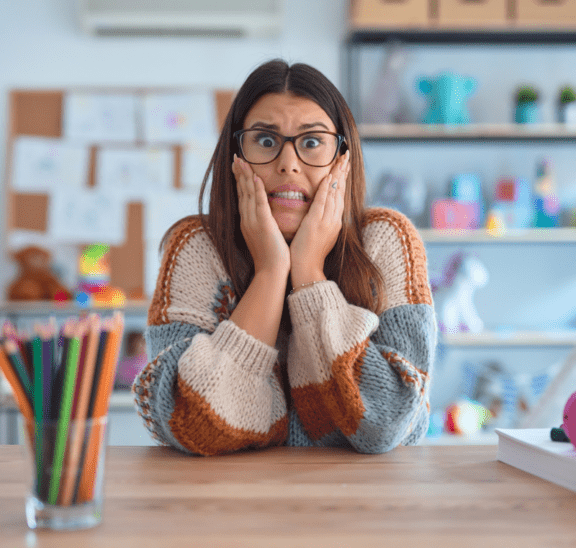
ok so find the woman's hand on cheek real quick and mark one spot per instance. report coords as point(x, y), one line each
point(321, 226)
point(265, 242)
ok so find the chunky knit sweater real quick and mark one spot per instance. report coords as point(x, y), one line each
point(356, 379)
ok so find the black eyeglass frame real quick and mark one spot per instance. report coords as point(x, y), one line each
point(238, 136)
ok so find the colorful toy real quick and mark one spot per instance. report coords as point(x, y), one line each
point(94, 279)
point(447, 94)
point(454, 294)
point(465, 417)
point(466, 188)
point(36, 281)
point(569, 416)
point(404, 193)
point(512, 204)
point(546, 203)
point(448, 213)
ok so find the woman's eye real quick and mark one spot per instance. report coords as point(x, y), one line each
point(311, 142)
point(266, 140)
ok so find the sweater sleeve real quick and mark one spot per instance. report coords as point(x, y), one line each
point(362, 376)
point(210, 387)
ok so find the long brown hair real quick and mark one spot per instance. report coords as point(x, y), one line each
point(347, 264)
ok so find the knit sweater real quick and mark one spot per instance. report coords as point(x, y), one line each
point(356, 379)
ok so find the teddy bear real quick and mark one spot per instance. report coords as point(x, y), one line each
point(36, 281)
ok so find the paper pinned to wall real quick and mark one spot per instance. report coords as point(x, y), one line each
point(43, 165)
point(87, 216)
point(160, 213)
point(180, 117)
point(135, 172)
point(93, 117)
point(195, 159)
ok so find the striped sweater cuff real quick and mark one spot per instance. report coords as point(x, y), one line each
point(253, 355)
point(305, 303)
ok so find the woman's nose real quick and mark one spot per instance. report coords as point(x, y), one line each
point(288, 161)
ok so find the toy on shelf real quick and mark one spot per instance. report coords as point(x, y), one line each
point(36, 280)
point(407, 194)
point(387, 103)
point(454, 294)
point(467, 189)
point(447, 94)
point(569, 417)
point(465, 417)
point(546, 202)
point(512, 207)
point(94, 279)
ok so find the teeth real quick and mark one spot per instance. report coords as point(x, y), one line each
point(290, 195)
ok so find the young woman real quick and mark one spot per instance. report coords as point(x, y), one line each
point(289, 314)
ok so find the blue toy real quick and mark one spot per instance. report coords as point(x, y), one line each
point(447, 95)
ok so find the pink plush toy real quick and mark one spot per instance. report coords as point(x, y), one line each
point(569, 415)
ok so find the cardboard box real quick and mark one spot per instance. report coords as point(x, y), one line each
point(381, 14)
point(472, 13)
point(545, 13)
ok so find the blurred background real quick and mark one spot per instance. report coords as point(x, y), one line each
point(110, 109)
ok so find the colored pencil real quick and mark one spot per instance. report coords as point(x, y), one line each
point(100, 408)
point(14, 357)
point(70, 368)
point(63, 391)
point(85, 384)
point(38, 401)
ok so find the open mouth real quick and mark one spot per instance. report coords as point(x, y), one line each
point(290, 195)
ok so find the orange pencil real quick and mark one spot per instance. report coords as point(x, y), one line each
point(85, 384)
point(103, 392)
point(19, 393)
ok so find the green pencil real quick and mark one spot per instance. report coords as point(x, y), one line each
point(38, 393)
point(71, 368)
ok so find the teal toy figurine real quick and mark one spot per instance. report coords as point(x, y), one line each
point(447, 95)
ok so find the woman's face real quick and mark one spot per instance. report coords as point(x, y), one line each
point(289, 115)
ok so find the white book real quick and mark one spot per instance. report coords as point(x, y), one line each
point(532, 450)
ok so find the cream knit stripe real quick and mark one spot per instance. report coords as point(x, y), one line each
point(232, 371)
point(325, 327)
point(170, 268)
point(388, 248)
point(195, 273)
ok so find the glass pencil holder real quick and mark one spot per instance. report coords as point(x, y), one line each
point(67, 468)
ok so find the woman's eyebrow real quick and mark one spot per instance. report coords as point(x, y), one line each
point(302, 127)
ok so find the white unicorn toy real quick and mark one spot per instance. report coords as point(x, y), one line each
point(454, 294)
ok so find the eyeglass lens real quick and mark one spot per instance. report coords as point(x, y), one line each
point(313, 148)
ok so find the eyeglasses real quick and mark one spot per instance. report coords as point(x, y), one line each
point(314, 148)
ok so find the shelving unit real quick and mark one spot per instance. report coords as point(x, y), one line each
point(462, 135)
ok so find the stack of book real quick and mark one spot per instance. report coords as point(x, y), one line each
point(532, 450)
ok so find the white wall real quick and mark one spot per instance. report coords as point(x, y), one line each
point(41, 46)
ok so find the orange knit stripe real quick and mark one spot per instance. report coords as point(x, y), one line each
point(211, 434)
point(161, 298)
point(393, 358)
point(417, 287)
point(335, 403)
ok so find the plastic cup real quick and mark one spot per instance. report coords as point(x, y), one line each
point(67, 465)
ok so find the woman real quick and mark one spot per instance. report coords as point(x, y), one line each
point(289, 314)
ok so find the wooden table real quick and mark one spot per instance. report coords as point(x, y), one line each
point(425, 497)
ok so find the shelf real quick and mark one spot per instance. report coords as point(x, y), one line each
point(479, 236)
point(480, 36)
point(35, 308)
point(511, 339)
point(467, 132)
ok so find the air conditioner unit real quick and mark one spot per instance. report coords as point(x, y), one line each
point(181, 17)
